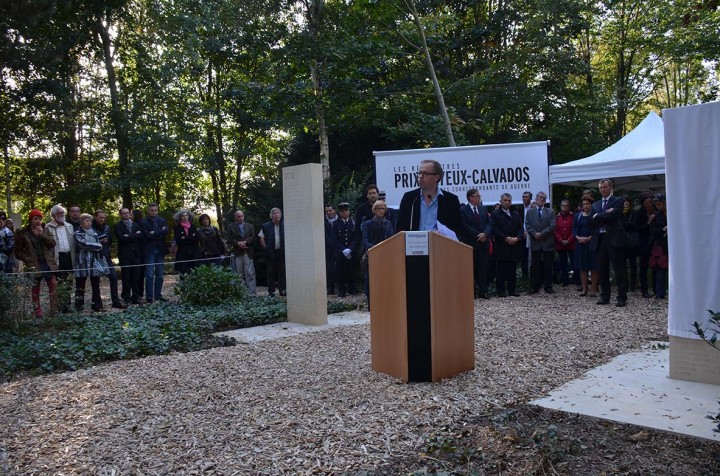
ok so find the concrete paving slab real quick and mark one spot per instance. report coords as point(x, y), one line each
point(635, 388)
point(288, 329)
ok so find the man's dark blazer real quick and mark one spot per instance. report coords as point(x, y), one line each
point(448, 212)
point(612, 221)
point(156, 239)
point(503, 227)
point(472, 227)
point(130, 247)
point(247, 235)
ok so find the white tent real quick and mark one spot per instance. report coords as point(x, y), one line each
point(635, 162)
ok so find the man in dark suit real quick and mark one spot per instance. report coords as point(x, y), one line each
point(344, 234)
point(155, 229)
point(421, 209)
point(477, 227)
point(509, 248)
point(608, 242)
point(241, 237)
point(540, 226)
point(130, 255)
point(330, 247)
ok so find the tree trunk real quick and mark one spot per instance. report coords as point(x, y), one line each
point(8, 193)
point(314, 12)
point(431, 70)
point(117, 115)
point(322, 128)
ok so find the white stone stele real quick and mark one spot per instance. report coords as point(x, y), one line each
point(303, 212)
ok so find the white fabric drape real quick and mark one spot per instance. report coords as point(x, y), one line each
point(692, 160)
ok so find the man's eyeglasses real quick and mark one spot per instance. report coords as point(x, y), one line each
point(425, 174)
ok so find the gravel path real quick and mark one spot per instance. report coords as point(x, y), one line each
point(307, 404)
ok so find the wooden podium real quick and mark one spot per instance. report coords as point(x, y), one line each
point(422, 316)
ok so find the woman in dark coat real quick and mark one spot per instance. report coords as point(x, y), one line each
point(642, 228)
point(187, 243)
point(584, 256)
point(375, 231)
point(632, 251)
point(658, 246)
point(211, 243)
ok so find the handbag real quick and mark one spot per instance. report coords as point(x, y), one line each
point(100, 266)
point(364, 262)
point(658, 258)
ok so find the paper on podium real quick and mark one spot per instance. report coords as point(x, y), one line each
point(443, 230)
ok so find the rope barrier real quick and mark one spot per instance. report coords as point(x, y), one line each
point(24, 273)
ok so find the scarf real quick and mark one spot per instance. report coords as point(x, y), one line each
point(186, 226)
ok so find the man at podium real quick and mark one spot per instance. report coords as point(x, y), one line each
point(423, 208)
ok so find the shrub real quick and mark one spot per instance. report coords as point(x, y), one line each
point(211, 285)
point(15, 303)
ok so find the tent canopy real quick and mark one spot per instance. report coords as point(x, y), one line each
point(635, 162)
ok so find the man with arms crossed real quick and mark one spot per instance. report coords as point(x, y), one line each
point(608, 242)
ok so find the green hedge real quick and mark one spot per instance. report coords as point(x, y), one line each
point(75, 341)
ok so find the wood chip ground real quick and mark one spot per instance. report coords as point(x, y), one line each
point(309, 404)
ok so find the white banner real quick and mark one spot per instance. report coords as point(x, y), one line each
point(492, 169)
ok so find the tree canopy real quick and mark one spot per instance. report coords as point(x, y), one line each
point(187, 103)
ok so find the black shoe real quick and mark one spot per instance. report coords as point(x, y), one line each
point(119, 305)
point(514, 294)
point(98, 309)
point(583, 293)
point(282, 293)
point(483, 296)
point(603, 301)
point(342, 295)
point(550, 291)
point(501, 295)
point(565, 285)
point(646, 295)
point(533, 291)
point(162, 299)
point(149, 301)
point(621, 303)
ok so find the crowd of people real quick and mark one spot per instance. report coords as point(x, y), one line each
point(577, 245)
point(588, 240)
point(72, 246)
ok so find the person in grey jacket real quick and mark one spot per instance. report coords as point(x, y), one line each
point(540, 226)
point(88, 249)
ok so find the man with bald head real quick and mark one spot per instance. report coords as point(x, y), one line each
point(241, 237)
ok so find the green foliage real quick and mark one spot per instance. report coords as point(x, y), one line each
point(710, 333)
point(15, 303)
point(210, 285)
point(75, 341)
point(70, 342)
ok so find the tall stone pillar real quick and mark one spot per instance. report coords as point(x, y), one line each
point(303, 212)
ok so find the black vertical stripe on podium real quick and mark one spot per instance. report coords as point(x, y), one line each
point(417, 281)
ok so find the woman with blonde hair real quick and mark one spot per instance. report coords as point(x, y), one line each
point(374, 231)
point(88, 264)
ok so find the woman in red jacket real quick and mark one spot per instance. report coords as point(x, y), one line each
point(564, 240)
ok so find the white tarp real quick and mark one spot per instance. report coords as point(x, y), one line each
point(635, 162)
point(692, 144)
point(492, 169)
